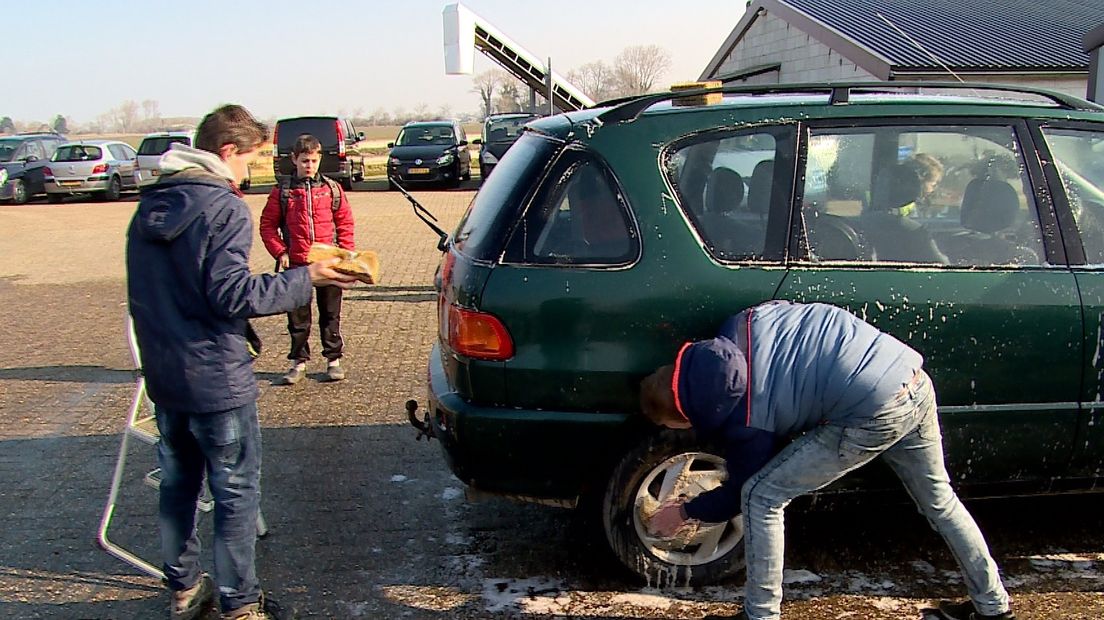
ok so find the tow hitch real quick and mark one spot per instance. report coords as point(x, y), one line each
point(423, 426)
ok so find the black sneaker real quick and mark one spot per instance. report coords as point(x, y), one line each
point(966, 611)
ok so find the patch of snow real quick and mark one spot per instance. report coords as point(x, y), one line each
point(647, 601)
point(451, 493)
point(799, 576)
point(508, 594)
point(398, 478)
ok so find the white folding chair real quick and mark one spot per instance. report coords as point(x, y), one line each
point(142, 425)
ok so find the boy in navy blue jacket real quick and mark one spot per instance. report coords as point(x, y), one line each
point(191, 293)
point(850, 393)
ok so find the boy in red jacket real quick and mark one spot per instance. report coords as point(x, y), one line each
point(301, 210)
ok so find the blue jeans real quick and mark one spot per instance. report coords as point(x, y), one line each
point(905, 432)
point(227, 446)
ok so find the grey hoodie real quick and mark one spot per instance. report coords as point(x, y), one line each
point(190, 289)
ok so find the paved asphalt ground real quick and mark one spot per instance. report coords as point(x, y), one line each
point(366, 522)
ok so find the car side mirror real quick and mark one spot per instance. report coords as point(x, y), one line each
point(462, 143)
point(390, 145)
point(31, 158)
point(360, 136)
point(477, 142)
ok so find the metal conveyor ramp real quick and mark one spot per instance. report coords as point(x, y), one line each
point(466, 32)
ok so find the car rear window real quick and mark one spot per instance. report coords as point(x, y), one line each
point(323, 128)
point(78, 152)
point(159, 145)
point(481, 232)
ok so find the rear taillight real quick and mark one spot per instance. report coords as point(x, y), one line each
point(100, 169)
point(478, 335)
point(46, 171)
point(340, 140)
point(275, 141)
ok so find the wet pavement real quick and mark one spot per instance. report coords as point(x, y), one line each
point(365, 521)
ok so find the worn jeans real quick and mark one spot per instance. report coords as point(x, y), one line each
point(227, 446)
point(328, 299)
point(905, 432)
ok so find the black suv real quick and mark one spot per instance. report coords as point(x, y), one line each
point(430, 151)
point(500, 131)
point(22, 160)
point(341, 160)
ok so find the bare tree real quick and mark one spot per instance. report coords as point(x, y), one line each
point(444, 111)
point(125, 115)
point(509, 97)
point(151, 114)
point(380, 116)
point(638, 67)
point(596, 79)
point(485, 84)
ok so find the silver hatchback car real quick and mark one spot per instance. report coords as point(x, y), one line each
point(101, 167)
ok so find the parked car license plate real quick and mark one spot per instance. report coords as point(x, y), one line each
point(418, 171)
point(68, 183)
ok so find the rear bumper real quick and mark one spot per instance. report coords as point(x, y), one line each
point(77, 186)
point(146, 176)
point(547, 456)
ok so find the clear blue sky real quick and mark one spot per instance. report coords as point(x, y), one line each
point(82, 57)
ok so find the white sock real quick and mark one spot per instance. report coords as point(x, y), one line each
point(334, 363)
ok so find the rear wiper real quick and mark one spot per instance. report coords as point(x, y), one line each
point(424, 215)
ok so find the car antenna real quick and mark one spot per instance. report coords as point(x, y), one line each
point(424, 215)
point(923, 49)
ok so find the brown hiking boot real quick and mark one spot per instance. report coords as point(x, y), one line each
point(966, 611)
point(295, 374)
point(187, 604)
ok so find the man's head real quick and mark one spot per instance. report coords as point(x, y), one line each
point(306, 155)
point(707, 384)
point(657, 399)
point(234, 135)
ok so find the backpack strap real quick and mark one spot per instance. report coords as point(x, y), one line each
point(285, 199)
point(335, 192)
point(335, 199)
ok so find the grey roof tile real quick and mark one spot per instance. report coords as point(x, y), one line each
point(966, 34)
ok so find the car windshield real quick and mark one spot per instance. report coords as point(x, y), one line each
point(322, 128)
point(424, 135)
point(77, 152)
point(8, 149)
point(160, 144)
point(505, 129)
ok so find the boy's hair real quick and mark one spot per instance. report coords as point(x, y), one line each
point(657, 401)
point(230, 124)
point(305, 143)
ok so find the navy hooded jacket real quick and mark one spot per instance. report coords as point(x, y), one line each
point(810, 364)
point(190, 292)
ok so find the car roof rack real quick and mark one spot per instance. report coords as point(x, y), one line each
point(839, 93)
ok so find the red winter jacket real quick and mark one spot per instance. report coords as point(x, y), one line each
point(310, 218)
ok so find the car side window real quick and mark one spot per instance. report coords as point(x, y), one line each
point(578, 217)
point(117, 151)
point(1079, 157)
point(725, 185)
point(50, 146)
point(931, 195)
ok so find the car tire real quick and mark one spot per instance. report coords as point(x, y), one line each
point(663, 563)
point(114, 190)
point(245, 185)
point(19, 192)
point(347, 184)
point(55, 198)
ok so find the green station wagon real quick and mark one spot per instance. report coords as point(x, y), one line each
point(967, 220)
